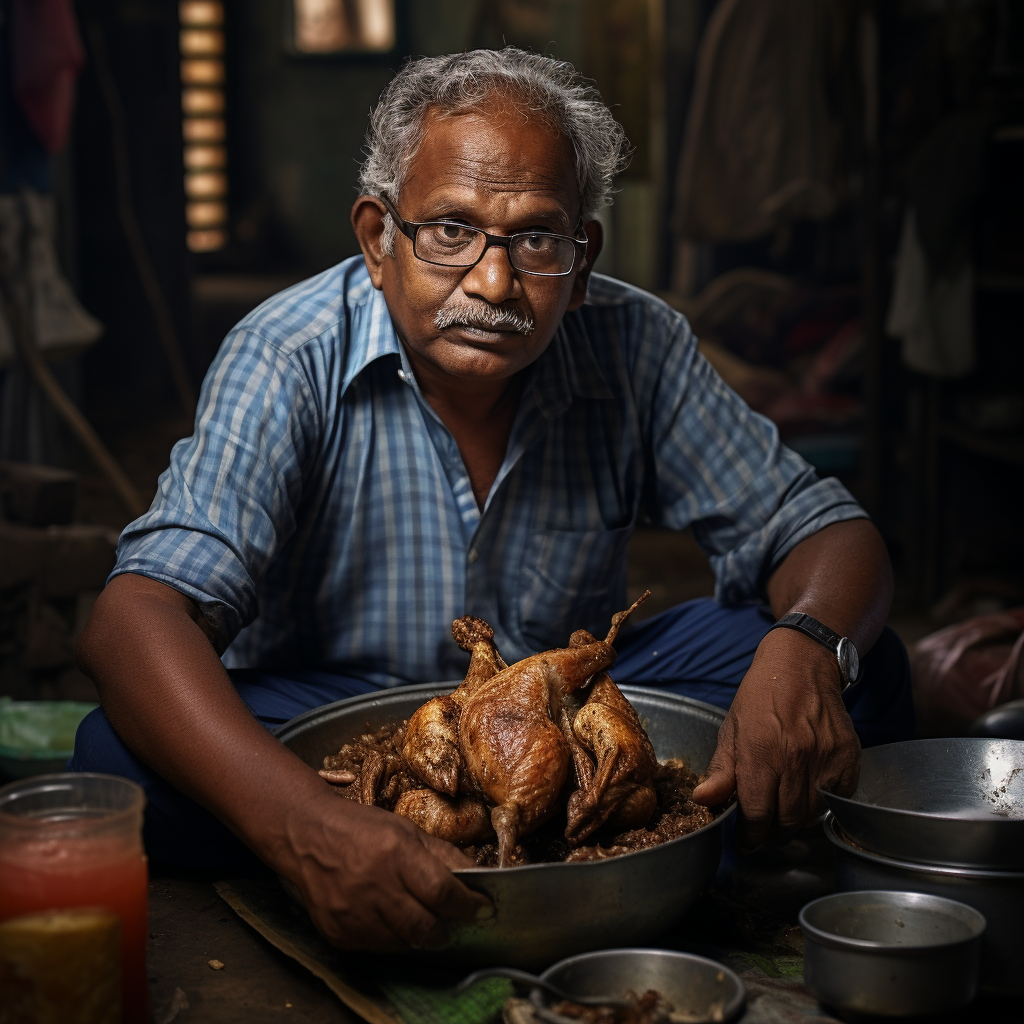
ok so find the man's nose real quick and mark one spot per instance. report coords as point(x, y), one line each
point(493, 278)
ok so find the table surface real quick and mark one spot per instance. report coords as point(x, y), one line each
point(191, 925)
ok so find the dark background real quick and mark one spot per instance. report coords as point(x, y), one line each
point(943, 483)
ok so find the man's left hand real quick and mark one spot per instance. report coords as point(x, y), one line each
point(787, 733)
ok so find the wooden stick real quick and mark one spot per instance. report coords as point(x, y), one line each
point(43, 376)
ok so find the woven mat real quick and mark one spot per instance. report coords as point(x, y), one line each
point(765, 952)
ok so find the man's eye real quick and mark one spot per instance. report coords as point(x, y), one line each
point(537, 243)
point(449, 234)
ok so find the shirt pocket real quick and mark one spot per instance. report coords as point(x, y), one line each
point(571, 579)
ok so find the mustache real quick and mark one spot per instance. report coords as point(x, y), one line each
point(484, 317)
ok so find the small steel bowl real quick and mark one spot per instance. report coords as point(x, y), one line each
point(895, 954)
point(700, 990)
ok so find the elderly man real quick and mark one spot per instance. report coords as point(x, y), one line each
point(465, 420)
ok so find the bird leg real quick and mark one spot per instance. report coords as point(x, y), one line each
point(506, 821)
point(461, 820)
point(477, 637)
point(431, 744)
point(583, 766)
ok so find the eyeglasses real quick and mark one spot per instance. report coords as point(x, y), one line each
point(447, 243)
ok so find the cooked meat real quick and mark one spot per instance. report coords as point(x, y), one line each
point(511, 742)
point(431, 746)
point(619, 793)
point(499, 750)
point(650, 1008)
point(462, 820)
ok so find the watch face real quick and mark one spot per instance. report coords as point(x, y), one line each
point(849, 661)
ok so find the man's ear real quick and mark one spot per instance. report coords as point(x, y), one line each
point(368, 223)
point(595, 241)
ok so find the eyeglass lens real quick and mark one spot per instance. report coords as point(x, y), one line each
point(457, 245)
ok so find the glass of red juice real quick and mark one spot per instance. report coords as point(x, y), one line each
point(74, 840)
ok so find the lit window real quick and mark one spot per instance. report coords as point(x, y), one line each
point(203, 129)
point(335, 26)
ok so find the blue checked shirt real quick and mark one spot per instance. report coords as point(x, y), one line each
point(321, 515)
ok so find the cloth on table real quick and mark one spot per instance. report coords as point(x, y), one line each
point(963, 670)
point(700, 649)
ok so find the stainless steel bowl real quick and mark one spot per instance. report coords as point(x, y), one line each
point(548, 911)
point(892, 953)
point(998, 895)
point(698, 989)
point(957, 802)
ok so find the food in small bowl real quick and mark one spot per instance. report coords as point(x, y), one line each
point(660, 986)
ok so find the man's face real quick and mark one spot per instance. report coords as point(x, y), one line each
point(493, 169)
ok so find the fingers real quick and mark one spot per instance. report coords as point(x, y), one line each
point(757, 793)
point(373, 880)
point(793, 810)
point(432, 883)
point(719, 781)
point(447, 853)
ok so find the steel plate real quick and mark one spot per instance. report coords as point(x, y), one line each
point(955, 802)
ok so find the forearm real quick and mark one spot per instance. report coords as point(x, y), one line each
point(842, 576)
point(170, 699)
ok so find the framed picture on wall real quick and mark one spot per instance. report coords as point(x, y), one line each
point(337, 28)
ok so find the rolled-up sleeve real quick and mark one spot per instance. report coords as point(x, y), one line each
point(226, 504)
point(720, 467)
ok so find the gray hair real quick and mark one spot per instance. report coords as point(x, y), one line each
point(459, 82)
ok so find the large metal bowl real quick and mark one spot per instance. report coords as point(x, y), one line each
point(999, 895)
point(955, 802)
point(548, 911)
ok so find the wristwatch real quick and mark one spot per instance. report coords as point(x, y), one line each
point(842, 646)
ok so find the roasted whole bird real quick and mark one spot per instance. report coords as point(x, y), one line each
point(513, 745)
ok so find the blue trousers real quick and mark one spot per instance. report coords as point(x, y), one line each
point(700, 649)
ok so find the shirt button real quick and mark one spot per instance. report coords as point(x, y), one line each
point(472, 556)
point(402, 376)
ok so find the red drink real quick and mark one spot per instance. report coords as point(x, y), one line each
point(55, 860)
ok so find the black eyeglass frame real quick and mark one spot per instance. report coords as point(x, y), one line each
point(410, 227)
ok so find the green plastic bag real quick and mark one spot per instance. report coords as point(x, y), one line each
point(38, 736)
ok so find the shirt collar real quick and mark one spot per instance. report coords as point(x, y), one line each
point(371, 332)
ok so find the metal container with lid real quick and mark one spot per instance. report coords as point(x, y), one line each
point(998, 895)
point(548, 911)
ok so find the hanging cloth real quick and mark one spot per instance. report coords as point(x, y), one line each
point(47, 55)
point(762, 147)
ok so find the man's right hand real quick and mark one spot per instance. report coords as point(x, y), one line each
point(371, 879)
point(374, 880)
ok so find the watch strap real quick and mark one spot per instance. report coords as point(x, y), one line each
point(812, 627)
point(842, 647)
